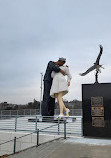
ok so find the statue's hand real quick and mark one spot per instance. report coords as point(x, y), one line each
point(68, 84)
point(62, 72)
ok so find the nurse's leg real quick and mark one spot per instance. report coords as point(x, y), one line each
point(66, 109)
point(60, 101)
point(57, 96)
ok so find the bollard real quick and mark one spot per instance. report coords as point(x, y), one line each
point(14, 145)
point(37, 137)
point(64, 129)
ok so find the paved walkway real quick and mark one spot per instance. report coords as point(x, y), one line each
point(69, 148)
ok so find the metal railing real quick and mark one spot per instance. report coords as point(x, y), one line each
point(31, 123)
point(63, 127)
point(16, 140)
point(73, 112)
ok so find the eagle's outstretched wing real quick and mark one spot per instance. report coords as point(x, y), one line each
point(99, 56)
point(95, 64)
point(89, 70)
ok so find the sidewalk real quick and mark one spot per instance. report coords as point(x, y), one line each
point(69, 148)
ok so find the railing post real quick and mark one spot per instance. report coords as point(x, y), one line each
point(55, 112)
point(14, 150)
point(17, 112)
point(15, 123)
point(30, 111)
point(24, 112)
point(37, 137)
point(1, 114)
point(10, 113)
point(58, 125)
point(64, 129)
point(73, 112)
point(81, 126)
point(36, 124)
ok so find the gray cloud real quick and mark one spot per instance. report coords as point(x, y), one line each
point(34, 32)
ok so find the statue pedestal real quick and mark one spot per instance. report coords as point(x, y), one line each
point(96, 104)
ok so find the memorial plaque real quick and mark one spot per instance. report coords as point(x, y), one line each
point(97, 111)
point(97, 101)
point(98, 121)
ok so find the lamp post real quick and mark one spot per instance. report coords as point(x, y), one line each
point(41, 87)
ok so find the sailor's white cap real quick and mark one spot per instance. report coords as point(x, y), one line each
point(62, 59)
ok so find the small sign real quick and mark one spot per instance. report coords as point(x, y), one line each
point(96, 101)
point(97, 111)
point(98, 121)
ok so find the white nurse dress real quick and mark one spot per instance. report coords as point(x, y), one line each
point(60, 83)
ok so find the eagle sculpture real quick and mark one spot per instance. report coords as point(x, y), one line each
point(96, 65)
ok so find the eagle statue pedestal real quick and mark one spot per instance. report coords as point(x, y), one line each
point(96, 105)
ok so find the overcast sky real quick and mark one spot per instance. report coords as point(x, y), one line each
point(33, 32)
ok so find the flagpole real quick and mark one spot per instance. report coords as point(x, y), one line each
point(41, 87)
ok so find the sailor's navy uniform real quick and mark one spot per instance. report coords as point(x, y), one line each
point(48, 102)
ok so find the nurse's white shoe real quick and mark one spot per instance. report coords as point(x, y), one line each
point(61, 116)
point(67, 112)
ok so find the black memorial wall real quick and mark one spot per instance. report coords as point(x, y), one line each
point(96, 104)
